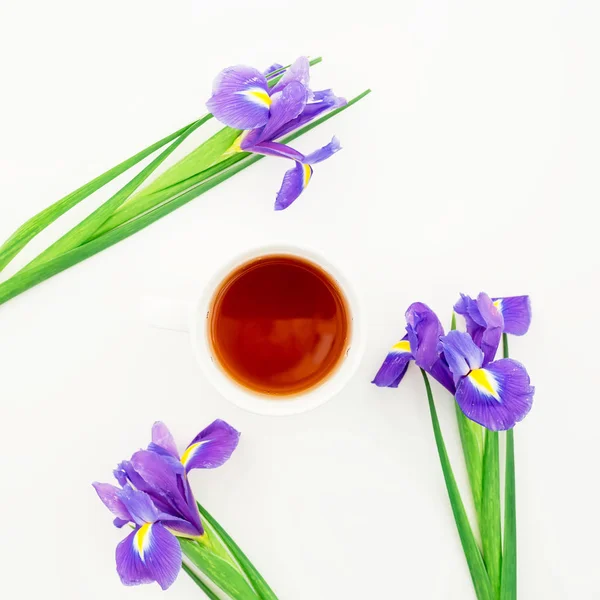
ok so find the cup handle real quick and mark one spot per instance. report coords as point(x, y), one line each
point(166, 313)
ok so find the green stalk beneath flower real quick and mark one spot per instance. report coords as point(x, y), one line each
point(31, 276)
point(472, 441)
point(479, 575)
point(489, 526)
point(508, 590)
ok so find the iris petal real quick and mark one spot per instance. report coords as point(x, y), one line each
point(323, 153)
point(294, 182)
point(271, 149)
point(110, 496)
point(150, 553)
point(461, 353)
point(298, 72)
point(516, 311)
point(139, 505)
point(286, 105)
point(162, 439)
point(240, 98)
point(394, 366)
point(211, 447)
point(424, 330)
point(497, 396)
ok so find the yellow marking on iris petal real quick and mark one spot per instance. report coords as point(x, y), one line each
point(497, 304)
point(484, 381)
point(403, 346)
point(259, 96)
point(237, 145)
point(189, 451)
point(307, 174)
point(141, 538)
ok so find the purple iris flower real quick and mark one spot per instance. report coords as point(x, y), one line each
point(156, 499)
point(495, 394)
point(243, 99)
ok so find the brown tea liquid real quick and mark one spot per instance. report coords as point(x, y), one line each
point(279, 325)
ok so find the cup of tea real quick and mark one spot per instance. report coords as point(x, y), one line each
point(277, 330)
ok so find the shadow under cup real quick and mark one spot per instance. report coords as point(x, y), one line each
point(280, 331)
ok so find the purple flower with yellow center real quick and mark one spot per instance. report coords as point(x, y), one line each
point(243, 99)
point(155, 498)
point(494, 394)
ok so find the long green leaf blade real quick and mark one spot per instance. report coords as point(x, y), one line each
point(22, 236)
point(490, 528)
point(508, 590)
point(194, 577)
point(84, 230)
point(257, 580)
point(481, 580)
point(220, 572)
point(29, 277)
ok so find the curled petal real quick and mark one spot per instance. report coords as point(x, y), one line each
point(298, 72)
point(240, 98)
point(271, 149)
point(497, 396)
point(461, 353)
point(285, 106)
point(211, 447)
point(323, 153)
point(162, 440)
point(294, 182)
point(424, 330)
point(516, 311)
point(150, 553)
point(110, 495)
point(394, 366)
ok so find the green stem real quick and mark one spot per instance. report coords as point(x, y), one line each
point(508, 590)
point(479, 575)
point(472, 441)
point(194, 577)
point(29, 277)
point(490, 528)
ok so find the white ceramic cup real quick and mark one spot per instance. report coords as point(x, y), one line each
point(192, 316)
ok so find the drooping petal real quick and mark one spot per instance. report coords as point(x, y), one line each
point(294, 182)
point(298, 72)
point(139, 505)
point(461, 353)
point(150, 553)
point(394, 366)
point(211, 447)
point(240, 98)
point(516, 311)
point(497, 396)
point(162, 440)
point(110, 496)
point(424, 330)
point(323, 153)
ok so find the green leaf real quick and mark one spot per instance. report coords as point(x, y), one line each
point(508, 590)
point(194, 577)
point(489, 526)
point(31, 276)
point(39, 222)
point(257, 580)
point(84, 230)
point(220, 572)
point(481, 580)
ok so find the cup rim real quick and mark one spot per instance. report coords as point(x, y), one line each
point(262, 403)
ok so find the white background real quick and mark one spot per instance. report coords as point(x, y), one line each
point(473, 166)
